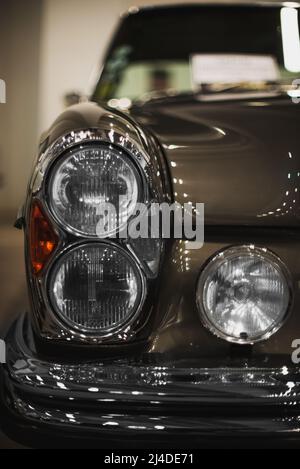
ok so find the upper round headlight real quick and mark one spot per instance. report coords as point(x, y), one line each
point(96, 288)
point(86, 179)
point(243, 294)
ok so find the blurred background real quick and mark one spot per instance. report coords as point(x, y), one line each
point(48, 49)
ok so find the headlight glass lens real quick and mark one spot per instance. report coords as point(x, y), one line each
point(244, 295)
point(96, 288)
point(86, 179)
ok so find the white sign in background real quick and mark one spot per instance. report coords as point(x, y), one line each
point(233, 68)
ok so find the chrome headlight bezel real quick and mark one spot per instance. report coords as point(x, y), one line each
point(120, 132)
point(141, 182)
point(212, 265)
point(148, 167)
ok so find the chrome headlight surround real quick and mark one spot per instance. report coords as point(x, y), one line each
point(213, 265)
point(121, 133)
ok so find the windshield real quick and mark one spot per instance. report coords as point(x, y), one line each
point(200, 49)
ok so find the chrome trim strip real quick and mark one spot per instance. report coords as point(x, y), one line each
point(140, 397)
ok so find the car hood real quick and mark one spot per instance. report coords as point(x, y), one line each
point(239, 157)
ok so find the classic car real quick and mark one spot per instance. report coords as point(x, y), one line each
point(150, 341)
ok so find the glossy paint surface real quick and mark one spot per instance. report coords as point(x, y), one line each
point(239, 156)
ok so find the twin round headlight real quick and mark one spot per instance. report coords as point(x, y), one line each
point(244, 294)
point(95, 288)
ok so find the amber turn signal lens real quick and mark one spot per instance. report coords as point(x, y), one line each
point(43, 239)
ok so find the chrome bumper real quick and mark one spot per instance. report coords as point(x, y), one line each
point(134, 402)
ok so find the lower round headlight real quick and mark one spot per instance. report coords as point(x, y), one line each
point(243, 294)
point(96, 288)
